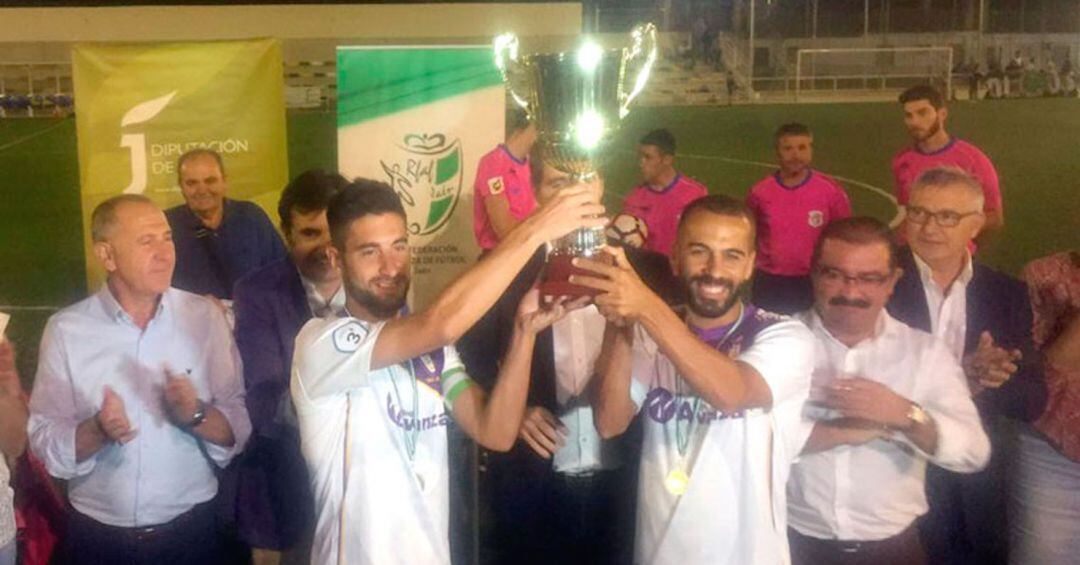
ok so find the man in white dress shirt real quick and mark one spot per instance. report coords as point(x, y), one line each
point(886, 399)
point(137, 402)
point(721, 387)
point(374, 391)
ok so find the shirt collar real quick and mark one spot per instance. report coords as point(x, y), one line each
point(511, 155)
point(314, 298)
point(817, 326)
point(670, 185)
point(926, 274)
point(116, 312)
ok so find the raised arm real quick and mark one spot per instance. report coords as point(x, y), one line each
point(493, 420)
point(613, 407)
point(462, 303)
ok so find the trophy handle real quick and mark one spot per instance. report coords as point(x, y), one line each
point(638, 61)
point(512, 69)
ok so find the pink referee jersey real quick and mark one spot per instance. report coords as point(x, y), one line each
point(499, 172)
point(661, 209)
point(790, 219)
point(907, 165)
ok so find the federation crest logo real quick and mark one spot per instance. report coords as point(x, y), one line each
point(426, 173)
point(816, 218)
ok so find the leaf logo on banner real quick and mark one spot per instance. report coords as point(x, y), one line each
point(136, 143)
point(426, 173)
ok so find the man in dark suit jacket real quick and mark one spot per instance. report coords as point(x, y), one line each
point(985, 317)
point(560, 495)
point(272, 303)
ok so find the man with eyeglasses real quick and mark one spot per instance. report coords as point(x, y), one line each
point(885, 399)
point(985, 320)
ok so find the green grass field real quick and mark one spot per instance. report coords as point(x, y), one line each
point(1033, 144)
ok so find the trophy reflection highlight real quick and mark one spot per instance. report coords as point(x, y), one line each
point(577, 100)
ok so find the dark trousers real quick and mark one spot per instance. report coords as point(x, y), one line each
point(191, 538)
point(902, 549)
point(560, 519)
point(966, 522)
point(781, 294)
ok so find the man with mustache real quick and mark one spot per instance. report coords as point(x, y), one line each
point(374, 390)
point(886, 399)
point(984, 318)
point(721, 386)
point(924, 116)
point(218, 240)
point(791, 207)
point(272, 304)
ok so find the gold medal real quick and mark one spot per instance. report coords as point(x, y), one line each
point(677, 481)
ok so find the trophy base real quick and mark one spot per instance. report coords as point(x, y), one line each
point(556, 279)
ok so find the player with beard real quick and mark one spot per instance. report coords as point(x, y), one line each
point(722, 386)
point(374, 390)
point(924, 115)
point(791, 206)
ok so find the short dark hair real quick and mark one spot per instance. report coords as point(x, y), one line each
point(310, 191)
point(792, 128)
point(721, 205)
point(857, 230)
point(516, 119)
point(923, 92)
point(362, 197)
point(103, 218)
point(662, 139)
point(196, 153)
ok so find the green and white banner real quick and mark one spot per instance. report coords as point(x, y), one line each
point(420, 119)
point(142, 105)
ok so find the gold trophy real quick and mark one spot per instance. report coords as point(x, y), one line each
point(577, 100)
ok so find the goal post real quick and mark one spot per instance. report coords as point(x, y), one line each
point(871, 69)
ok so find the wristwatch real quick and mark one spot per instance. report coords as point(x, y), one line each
point(916, 415)
point(198, 417)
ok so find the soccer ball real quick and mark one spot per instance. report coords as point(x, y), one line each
point(627, 230)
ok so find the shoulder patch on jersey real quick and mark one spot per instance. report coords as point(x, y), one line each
point(347, 338)
point(496, 185)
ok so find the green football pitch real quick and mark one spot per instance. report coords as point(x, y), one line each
point(1033, 144)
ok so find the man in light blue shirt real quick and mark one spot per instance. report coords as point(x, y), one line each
point(138, 400)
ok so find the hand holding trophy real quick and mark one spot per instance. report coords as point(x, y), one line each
point(577, 100)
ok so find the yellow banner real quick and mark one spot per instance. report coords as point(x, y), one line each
point(142, 105)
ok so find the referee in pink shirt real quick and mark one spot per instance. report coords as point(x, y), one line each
point(924, 115)
point(791, 206)
point(663, 193)
point(502, 192)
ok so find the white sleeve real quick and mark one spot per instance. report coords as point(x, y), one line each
point(783, 354)
point(644, 358)
point(454, 379)
point(962, 444)
point(333, 355)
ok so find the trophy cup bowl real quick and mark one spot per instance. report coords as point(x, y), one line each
point(577, 100)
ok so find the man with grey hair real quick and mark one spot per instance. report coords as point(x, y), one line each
point(137, 402)
point(218, 240)
point(984, 317)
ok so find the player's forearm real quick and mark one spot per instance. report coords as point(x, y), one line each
point(467, 298)
point(505, 407)
point(714, 376)
point(89, 439)
point(613, 409)
point(503, 222)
